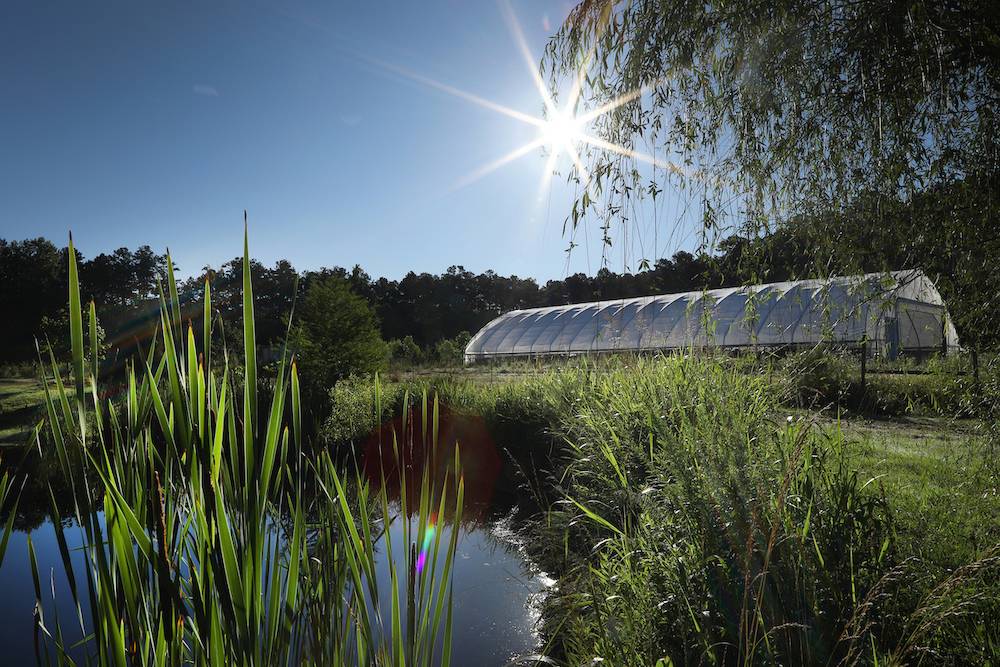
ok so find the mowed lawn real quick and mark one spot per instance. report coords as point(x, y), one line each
point(21, 407)
point(935, 474)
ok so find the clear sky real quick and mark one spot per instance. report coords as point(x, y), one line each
point(159, 123)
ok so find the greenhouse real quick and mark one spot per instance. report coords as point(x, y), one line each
point(894, 313)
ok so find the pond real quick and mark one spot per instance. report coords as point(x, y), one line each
point(497, 591)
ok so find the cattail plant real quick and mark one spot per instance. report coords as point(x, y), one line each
point(210, 536)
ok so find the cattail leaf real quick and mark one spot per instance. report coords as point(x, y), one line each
point(76, 336)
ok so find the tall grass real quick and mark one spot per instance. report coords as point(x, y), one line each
point(690, 522)
point(711, 531)
point(210, 538)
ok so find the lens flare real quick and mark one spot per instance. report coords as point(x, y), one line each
point(562, 131)
point(425, 548)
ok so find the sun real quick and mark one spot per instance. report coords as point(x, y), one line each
point(562, 132)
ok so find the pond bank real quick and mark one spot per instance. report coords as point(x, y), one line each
point(685, 517)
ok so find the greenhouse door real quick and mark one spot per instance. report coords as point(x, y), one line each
point(891, 338)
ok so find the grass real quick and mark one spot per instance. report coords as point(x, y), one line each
point(688, 520)
point(946, 501)
point(22, 405)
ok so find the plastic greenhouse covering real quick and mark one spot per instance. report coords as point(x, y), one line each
point(891, 313)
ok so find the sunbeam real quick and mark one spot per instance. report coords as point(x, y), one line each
point(499, 162)
point(458, 92)
point(562, 130)
point(628, 152)
point(529, 59)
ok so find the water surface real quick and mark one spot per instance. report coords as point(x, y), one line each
point(496, 590)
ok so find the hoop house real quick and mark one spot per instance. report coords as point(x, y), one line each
point(892, 313)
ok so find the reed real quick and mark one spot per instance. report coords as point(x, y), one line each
point(210, 536)
point(6, 484)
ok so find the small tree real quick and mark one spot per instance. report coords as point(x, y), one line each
point(336, 334)
point(404, 352)
point(451, 351)
point(52, 335)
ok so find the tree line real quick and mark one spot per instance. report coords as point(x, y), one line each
point(422, 312)
point(423, 307)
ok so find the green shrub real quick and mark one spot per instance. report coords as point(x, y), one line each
point(451, 351)
point(930, 394)
point(336, 335)
point(821, 378)
point(818, 377)
point(983, 402)
point(352, 409)
point(404, 353)
point(19, 369)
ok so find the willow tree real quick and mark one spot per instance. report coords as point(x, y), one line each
point(799, 112)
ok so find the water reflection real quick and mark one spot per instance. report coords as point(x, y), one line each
point(496, 590)
point(18, 634)
point(401, 451)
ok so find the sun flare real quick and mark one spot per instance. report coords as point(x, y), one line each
point(562, 132)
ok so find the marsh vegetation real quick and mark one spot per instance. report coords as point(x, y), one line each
point(709, 511)
point(685, 509)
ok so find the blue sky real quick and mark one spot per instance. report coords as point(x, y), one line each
point(159, 123)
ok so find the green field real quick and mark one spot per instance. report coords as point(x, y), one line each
point(945, 499)
point(21, 408)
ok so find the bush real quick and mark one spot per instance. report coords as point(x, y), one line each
point(822, 378)
point(352, 414)
point(983, 402)
point(451, 351)
point(404, 353)
point(817, 377)
point(336, 335)
point(19, 369)
point(53, 328)
point(931, 394)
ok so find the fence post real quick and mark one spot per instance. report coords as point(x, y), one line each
point(864, 361)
